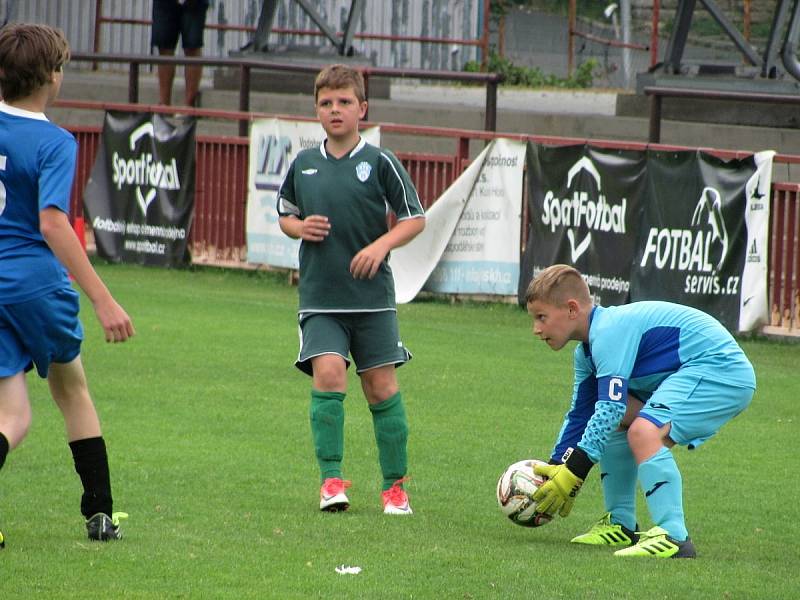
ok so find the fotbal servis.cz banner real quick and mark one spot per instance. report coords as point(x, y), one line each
point(274, 143)
point(685, 227)
point(703, 235)
point(471, 240)
point(140, 196)
point(584, 205)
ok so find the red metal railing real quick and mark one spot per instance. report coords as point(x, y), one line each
point(218, 231)
point(572, 33)
point(481, 42)
point(784, 274)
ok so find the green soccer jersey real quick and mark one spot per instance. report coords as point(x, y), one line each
point(356, 193)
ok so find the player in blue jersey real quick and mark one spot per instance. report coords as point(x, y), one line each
point(336, 199)
point(39, 323)
point(648, 375)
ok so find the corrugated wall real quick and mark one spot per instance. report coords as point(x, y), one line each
point(455, 19)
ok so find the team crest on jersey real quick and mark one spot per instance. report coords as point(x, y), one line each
point(363, 169)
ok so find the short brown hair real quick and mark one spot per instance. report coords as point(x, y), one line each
point(337, 77)
point(557, 284)
point(29, 55)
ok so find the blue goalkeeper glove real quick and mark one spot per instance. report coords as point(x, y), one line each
point(563, 483)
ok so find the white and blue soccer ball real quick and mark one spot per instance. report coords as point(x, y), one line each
point(515, 490)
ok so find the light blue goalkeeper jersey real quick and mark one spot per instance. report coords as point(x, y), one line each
point(634, 348)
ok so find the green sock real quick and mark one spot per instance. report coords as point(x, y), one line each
point(391, 434)
point(327, 429)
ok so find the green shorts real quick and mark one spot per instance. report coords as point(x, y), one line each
point(372, 338)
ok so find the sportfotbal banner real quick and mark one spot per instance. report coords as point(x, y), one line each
point(584, 204)
point(703, 235)
point(140, 196)
point(471, 240)
point(274, 143)
point(684, 226)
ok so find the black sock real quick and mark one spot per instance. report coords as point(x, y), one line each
point(91, 464)
point(4, 448)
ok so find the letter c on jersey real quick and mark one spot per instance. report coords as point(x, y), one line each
point(615, 388)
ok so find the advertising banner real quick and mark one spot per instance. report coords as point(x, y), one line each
point(274, 143)
point(585, 205)
point(413, 263)
point(140, 196)
point(703, 235)
point(471, 240)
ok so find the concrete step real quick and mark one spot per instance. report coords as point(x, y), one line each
point(578, 114)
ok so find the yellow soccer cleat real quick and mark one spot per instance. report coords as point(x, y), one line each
point(656, 543)
point(606, 533)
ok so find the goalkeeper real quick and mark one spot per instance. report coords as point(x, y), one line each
point(648, 375)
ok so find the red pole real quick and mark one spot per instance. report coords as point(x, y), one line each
point(98, 17)
point(571, 39)
point(746, 19)
point(654, 33)
point(79, 225)
point(485, 36)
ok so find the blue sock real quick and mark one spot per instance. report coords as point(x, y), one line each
point(663, 491)
point(618, 477)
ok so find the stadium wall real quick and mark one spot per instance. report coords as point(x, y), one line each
point(454, 19)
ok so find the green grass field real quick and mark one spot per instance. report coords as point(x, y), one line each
point(206, 421)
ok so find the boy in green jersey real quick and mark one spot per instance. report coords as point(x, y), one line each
point(335, 199)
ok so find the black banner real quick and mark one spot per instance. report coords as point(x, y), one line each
point(140, 197)
point(584, 205)
point(681, 226)
point(693, 236)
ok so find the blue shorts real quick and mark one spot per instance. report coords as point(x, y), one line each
point(40, 331)
point(172, 20)
point(696, 406)
point(372, 338)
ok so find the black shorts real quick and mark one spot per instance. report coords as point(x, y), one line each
point(172, 19)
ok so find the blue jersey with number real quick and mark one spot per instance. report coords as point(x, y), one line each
point(633, 348)
point(37, 165)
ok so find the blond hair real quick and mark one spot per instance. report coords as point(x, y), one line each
point(557, 284)
point(337, 77)
point(29, 55)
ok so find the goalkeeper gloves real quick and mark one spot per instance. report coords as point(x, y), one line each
point(563, 483)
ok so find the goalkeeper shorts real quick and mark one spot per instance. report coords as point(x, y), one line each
point(696, 406)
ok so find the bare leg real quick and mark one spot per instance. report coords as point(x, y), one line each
point(646, 439)
point(330, 373)
point(71, 394)
point(166, 75)
point(379, 383)
point(15, 409)
point(192, 73)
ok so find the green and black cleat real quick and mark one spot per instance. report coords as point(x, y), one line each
point(101, 527)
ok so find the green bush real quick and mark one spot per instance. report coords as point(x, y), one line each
point(534, 77)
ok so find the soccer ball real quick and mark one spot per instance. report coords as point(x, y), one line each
point(515, 489)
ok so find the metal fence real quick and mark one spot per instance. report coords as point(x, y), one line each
point(123, 27)
point(218, 231)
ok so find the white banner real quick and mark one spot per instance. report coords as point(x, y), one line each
point(274, 143)
point(471, 240)
point(753, 307)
